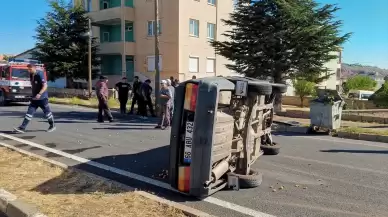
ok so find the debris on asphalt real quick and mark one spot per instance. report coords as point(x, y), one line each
point(273, 190)
point(297, 186)
point(281, 187)
point(271, 186)
point(304, 187)
point(162, 175)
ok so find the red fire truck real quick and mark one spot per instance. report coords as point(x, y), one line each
point(15, 83)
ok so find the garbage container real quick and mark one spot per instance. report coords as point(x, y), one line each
point(219, 129)
point(326, 111)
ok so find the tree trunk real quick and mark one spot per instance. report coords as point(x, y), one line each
point(301, 101)
point(278, 97)
point(69, 83)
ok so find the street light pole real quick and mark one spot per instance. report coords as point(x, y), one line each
point(90, 58)
point(157, 69)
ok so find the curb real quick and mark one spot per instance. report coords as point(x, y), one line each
point(11, 206)
point(191, 212)
point(363, 136)
point(339, 134)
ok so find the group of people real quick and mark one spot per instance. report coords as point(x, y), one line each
point(141, 96)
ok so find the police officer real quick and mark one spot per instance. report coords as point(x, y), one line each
point(123, 88)
point(39, 100)
point(102, 93)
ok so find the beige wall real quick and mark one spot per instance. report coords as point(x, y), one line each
point(168, 41)
point(175, 43)
point(199, 46)
point(331, 83)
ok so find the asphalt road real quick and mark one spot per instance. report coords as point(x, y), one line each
point(322, 176)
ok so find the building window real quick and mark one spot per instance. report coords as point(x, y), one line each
point(210, 65)
point(105, 37)
point(194, 28)
point(151, 63)
point(211, 2)
point(211, 30)
point(151, 26)
point(193, 64)
point(105, 4)
point(128, 28)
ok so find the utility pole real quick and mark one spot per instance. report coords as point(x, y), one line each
point(157, 69)
point(90, 58)
point(124, 54)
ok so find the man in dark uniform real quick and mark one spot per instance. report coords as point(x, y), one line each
point(39, 100)
point(135, 94)
point(123, 88)
point(102, 93)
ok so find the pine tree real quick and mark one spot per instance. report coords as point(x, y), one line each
point(281, 39)
point(62, 42)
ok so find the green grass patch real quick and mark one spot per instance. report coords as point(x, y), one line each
point(359, 130)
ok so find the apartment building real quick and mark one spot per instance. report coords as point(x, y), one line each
point(334, 82)
point(125, 30)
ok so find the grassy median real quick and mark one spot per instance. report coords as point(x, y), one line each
point(92, 103)
point(61, 193)
point(360, 130)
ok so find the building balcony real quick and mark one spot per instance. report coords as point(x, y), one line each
point(115, 48)
point(111, 16)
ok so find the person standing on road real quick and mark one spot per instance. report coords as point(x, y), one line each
point(172, 81)
point(102, 93)
point(146, 99)
point(123, 89)
point(135, 94)
point(39, 100)
point(166, 100)
point(149, 98)
point(172, 90)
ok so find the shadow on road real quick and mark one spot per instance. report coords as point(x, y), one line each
point(356, 151)
point(150, 164)
point(71, 116)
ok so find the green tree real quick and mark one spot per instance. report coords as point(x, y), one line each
point(303, 88)
point(360, 82)
point(62, 42)
point(278, 39)
point(380, 97)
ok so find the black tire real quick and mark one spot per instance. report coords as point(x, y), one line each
point(270, 149)
point(253, 180)
point(262, 88)
point(254, 85)
point(279, 88)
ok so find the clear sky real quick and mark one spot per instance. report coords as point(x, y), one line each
point(368, 20)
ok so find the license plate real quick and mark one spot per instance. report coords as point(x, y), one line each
point(188, 142)
point(18, 97)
